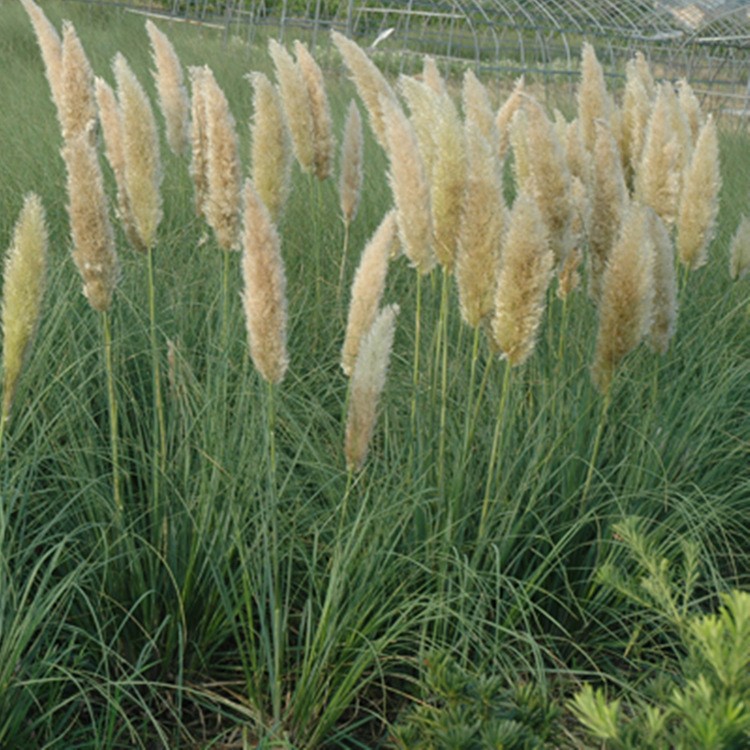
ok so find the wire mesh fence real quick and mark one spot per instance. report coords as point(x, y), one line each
point(705, 41)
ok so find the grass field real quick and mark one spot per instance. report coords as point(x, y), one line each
point(253, 593)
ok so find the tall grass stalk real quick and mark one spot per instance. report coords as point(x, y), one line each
point(113, 425)
point(600, 427)
point(442, 352)
point(159, 431)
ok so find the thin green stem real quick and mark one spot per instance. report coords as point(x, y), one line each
point(595, 450)
point(159, 428)
point(499, 425)
point(225, 300)
point(415, 372)
point(342, 268)
point(443, 382)
point(112, 403)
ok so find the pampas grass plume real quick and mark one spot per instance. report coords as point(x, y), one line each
point(140, 142)
point(505, 116)
point(699, 204)
point(93, 239)
point(477, 107)
point(525, 273)
point(50, 46)
point(431, 76)
point(483, 219)
point(367, 383)
point(367, 289)
point(352, 161)
point(636, 109)
point(224, 172)
point(593, 100)
point(372, 87)
point(23, 287)
point(410, 188)
point(170, 86)
point(296, 101)
point(739, 251)
point(264, 295)
point(424, 108)
point(78, 106)
point(324, 143)
point(271, 147)
point(664, 316)
point(198, 138)
point(627, 296)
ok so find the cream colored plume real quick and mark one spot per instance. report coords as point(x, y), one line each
point(627, 298)
point(296, 101)
point(699, 203)
point(170, 86)
point(324, 143)
point(447, 182)
point(658, 178)
point(680, 128)
point(568, 276)
point(50, 46)
point(608, 202)
point(23, 288)
point(644, 72)
point(110, 118)
point(580, 161)
point(519, 143)
point(525, 273)
point(483, 220)
point(271, 147)
point(424, 107)
point(664, 317)
point(367, 383)
point(372, 87)
point(594, 102)
point(77, 100)
point(224, 171)
point(264, 295)
point(198, 138)
point(352, 161)
point(691, 108)
point(367, 289)
point(410, 188)
point(477, 107)
point(93, 240)
point(143, 174)
point(505, 116)
point(431, 76)
point(636, 110)
point(739, 251)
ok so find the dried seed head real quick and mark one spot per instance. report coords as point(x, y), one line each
point(505, 116)
point(271, 149)
point(352, 160)
point(199, 138)
point(51, 48)
point(664, 317)
point(367, 383)
point(78, 106)
point(424, 106)
point(739, 251)
point(431, 76)
point(170, 85)
point(367, 289)
point(264, 295)
point(23, 288)
point(636, 109)
point(477, 107)
point(593, 100)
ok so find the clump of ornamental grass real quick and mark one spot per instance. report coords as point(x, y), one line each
point(483, 219)
point(93, 239)
point(367, 289)
point(447, 182)
point(626, 306)
point(608, 202)
point(140, 147)
point(324, 143)
point(739, 251)
point(78, 105)
point(23, 288)
point(699, 202)
point(110, 118)
point(371, 85)
point(658, 179)
point(410, 188)
point(264, 294)
point(478, 108)
point(367, 383)
point(594, 102)
point(505, 115)
point(296, 101)
point(526, 268)
point(271, 153)
point(664, 314)
point(50, 46)
point(352, 162)
point(170, 86)
point(198, 138)
point(223, 168)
